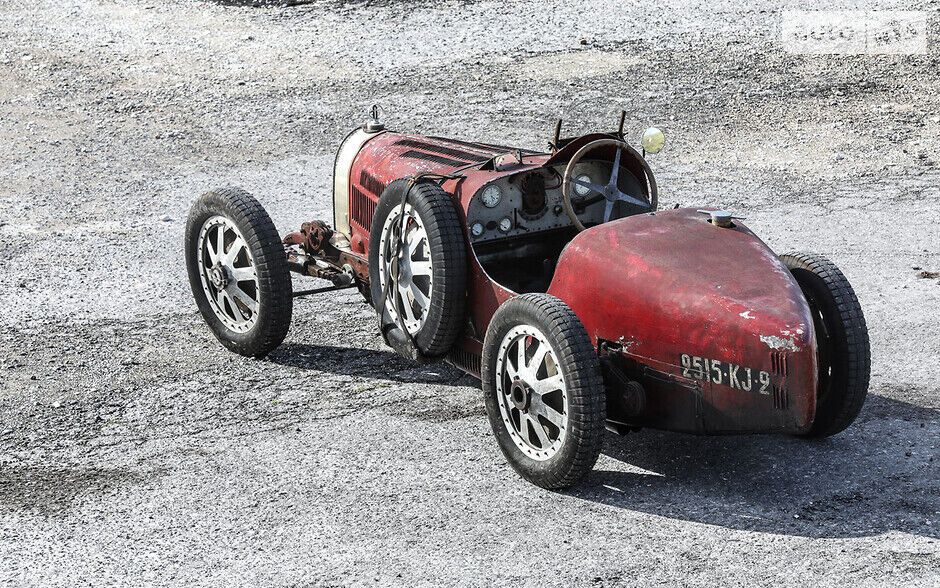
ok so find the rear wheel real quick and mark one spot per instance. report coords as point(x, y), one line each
point(843, 351)
point(543, 390)
point(238, 271)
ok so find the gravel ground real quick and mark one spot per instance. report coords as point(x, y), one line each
point(135, 451)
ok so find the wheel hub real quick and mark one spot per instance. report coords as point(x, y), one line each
point(218, 276)
point(520, 394)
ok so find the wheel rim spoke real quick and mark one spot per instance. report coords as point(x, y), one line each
point(232, 292)
point(406, 304)
point(420, 268)
point(244, 274)
point(219, 243)
point(511, 371)
point(229, 257)
point(220, 298)
point(520, 359)
point(241, 296)
point(524, 427)
point(212, 248)
point(413, 260)
point(535, 411)
point(540, 433)
point(537, 359)
point(419, 296)
point(553, 416)
point(615, 172)
point(549, 384)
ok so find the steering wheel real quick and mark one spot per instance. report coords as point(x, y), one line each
point(609, 191)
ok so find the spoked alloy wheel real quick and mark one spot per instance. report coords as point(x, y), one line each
point(238, 271)
point(531, 392)
point(228, 274)
point(543, 390)
point(407, 265)
point(418, 284)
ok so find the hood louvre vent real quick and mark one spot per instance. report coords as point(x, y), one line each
point(370, 183)
point(487, 147)
point(441, 150)
point(434, 158)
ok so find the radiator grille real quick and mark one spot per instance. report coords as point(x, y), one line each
point(361, 209)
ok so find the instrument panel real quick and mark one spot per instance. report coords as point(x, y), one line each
point(532, 201)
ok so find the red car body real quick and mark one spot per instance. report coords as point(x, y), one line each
point(707, 319)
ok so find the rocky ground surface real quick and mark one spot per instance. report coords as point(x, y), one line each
point(135, 451)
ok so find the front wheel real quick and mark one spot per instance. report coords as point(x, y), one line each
point(238, 271)
point(418, 269)
point(543, 390)
point(843, 351)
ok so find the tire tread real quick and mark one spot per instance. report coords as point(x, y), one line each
point(841, 410)
point(586, 400)
point(274, 281)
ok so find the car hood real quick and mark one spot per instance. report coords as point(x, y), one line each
point(673, 272)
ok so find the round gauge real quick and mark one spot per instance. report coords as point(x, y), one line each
point(477, 229)
point(491, 196)
point(505, 225)
point(580, 189)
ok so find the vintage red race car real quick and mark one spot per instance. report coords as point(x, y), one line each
point(552, 277)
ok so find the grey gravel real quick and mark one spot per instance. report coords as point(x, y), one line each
point(136, 452)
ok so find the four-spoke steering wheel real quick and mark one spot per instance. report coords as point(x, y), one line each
point(609, 191)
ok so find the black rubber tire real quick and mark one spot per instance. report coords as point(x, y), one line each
point(844, 352)
point(275, 294)
point(581, 370)
point(448, 254)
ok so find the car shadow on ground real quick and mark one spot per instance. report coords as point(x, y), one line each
point(880, 475)
point(369, 363)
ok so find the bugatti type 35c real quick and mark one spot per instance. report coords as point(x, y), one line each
point(554, 278)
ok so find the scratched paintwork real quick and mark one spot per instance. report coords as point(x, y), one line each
point(775, 342)
point(673, 284)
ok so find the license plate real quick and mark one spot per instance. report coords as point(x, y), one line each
point(725, 373)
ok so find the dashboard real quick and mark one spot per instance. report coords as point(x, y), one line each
point(531, 201)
